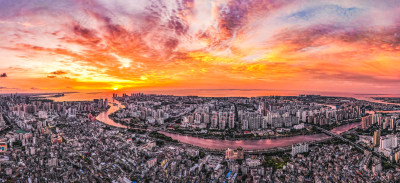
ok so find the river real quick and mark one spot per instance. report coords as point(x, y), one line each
point(103, 116)
point(256, 144)
point(224, 144)
point(370, 99)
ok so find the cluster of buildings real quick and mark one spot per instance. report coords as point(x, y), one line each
point(323, 163)
point(337, 163)
point(26, 108)
point(239, 114)
point(386, 145)
point(389, 122)
point(152, 109)
point(48, 141)
point(265, 113)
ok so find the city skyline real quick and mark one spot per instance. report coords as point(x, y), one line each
point(138, 137)
point(335, 46)
point(232, 91)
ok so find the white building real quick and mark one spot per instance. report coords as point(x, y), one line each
point(389, 141)
point(299, 148)
point(387, 144)
point(376, 167)
point(299, 126)
point(253, 162)
point(42, 114)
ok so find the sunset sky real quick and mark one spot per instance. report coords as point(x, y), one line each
point(74, 45)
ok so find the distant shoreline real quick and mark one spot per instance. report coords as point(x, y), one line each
point(374, 94)
point(36, 94)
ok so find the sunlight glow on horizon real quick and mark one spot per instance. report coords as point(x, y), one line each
point(340, 46)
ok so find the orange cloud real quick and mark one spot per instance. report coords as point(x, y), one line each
point(202, 44)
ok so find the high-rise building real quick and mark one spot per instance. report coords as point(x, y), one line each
point(231, 120)
point(105, 103)
point(397, 156)
point(245, 124)
point(377, 137)
point(100, 103)
point(214, 121)
point(222, 122)
point(385, 125)
point(366, 122)
point(264, 123)
point(206, 118)
point(191, 119)
point(198, 118)
point(254, 120)
point(389, 141)
point(299, 148)
point(392, 123)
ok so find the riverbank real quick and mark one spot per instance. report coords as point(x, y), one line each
point(104, 116)
point(96, 113)
point(261, 144)
point(133, 123)
point(250, 136)
point(248, 145)
point(226, 134)
point(256, 135)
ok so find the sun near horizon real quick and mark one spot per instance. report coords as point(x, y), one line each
point(338, 46)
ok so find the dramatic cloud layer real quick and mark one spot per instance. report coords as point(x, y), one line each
point(343, 45)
